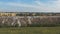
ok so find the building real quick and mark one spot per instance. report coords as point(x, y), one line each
point(7, 14)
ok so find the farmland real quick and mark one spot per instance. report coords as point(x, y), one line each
point(30, 30)
point(22, 21)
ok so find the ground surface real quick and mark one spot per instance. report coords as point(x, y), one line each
point(31, 30)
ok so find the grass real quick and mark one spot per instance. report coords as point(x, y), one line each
point(30, 30)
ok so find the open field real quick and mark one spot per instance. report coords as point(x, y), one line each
point(30, 30)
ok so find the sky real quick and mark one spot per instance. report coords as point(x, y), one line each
point(29, 5)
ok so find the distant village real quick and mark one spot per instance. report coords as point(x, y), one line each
point(28, 14)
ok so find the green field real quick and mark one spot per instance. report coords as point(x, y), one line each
point(30, 30)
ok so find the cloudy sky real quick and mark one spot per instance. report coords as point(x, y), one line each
point(30, 5)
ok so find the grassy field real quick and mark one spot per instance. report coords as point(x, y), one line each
point(30, 30)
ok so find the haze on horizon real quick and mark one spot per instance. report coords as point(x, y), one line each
point(30, 5)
